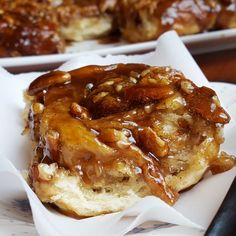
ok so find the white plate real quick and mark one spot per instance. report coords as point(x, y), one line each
point(199, 43)
point(15, 214)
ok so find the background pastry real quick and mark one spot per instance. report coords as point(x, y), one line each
point(141, 20)
point(227, 15)
point(85, 19)
point(23, 31)
point(47, 26)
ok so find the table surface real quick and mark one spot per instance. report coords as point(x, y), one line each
point(219, 66)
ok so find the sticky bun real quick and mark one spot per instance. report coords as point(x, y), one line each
point(106, 136)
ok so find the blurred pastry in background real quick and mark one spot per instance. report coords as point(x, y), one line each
point(81, 20)
point(227, 15)
point(141, 20)
point(42, 27)
point(48, 26)
point(23, 31)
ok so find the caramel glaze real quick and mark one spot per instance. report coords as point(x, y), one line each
point(23, 31)
point(98, 116)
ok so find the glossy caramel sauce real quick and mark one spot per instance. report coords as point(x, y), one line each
point(23, 31)
point(93, 119)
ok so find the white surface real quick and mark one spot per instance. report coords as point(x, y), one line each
point(16, 217)
point(48, 222)
point(199, 43)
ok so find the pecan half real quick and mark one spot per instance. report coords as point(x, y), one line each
point(45, 81)
point(145, 94)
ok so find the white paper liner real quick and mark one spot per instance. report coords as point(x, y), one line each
point(195, 208)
